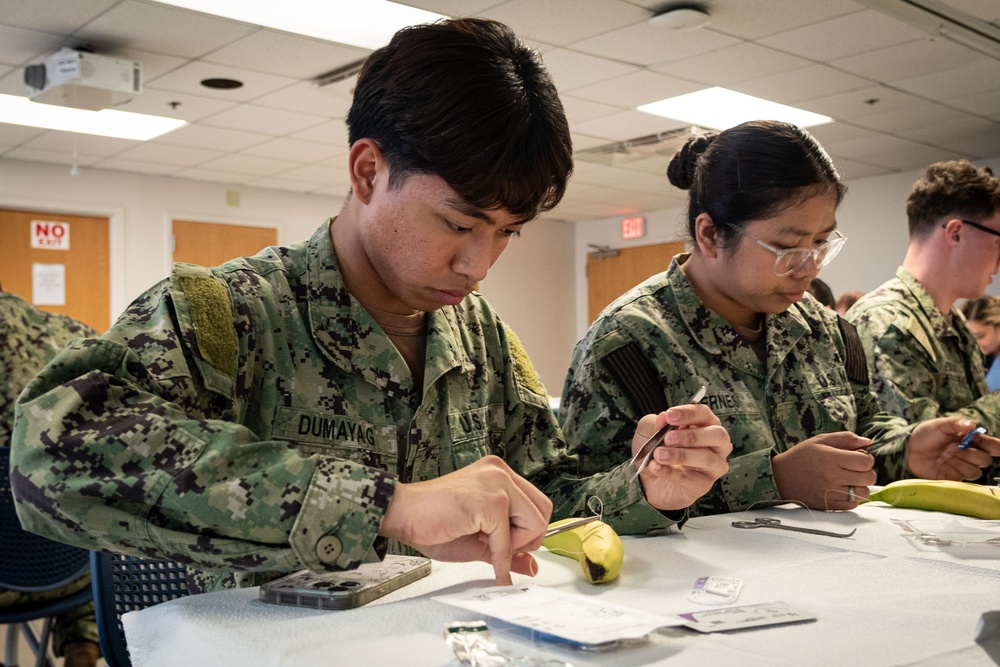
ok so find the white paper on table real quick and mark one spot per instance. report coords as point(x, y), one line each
point(575, 618)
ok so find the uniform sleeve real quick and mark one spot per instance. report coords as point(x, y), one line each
point(577, 482)
point(117, 446)
point(599, 421)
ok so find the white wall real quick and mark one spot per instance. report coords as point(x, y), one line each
point(531, 286)
point(872, 216)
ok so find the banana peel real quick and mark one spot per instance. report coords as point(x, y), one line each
point(595, 545)
point(940, 495)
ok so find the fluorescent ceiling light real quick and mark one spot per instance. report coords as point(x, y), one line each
point(720, 109)
point(369, 24)
point(106, 122)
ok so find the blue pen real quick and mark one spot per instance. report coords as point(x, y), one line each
point(967, 440)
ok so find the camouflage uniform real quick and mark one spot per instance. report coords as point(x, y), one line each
point(923, 366)
point(801, 390)
point(29, 338)
point(254, 419)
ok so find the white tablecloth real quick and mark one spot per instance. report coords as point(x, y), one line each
point(880, 598)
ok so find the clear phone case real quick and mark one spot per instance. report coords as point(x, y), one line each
point(348, 588)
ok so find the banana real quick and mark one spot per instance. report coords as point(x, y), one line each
point(596, 545)
point(942, 495)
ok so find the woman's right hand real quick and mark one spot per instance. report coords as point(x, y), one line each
point(823, 471)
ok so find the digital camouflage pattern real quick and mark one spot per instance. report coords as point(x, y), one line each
point(923, 366)
point(801, 390)
point(29, 338)
point(252, 420)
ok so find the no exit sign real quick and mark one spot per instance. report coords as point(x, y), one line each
point(633, 228)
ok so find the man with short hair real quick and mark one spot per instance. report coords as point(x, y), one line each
point(925, 360)
point(317, 405)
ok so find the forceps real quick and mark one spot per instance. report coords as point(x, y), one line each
point(775, 523)
point(570, 525)
point(646, 451)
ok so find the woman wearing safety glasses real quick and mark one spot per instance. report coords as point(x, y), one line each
point(786, 376)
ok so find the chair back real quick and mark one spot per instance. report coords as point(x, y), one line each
point(129, 583)
point(30, 562)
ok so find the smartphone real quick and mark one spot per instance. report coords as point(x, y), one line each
point(348, 588)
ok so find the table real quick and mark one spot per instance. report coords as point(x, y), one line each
point(881, 598)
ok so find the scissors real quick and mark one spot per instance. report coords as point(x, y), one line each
point(646, 451)
point(570, 525)
point(775, 523)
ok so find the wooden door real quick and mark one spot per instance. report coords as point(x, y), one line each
point(611, 274)
point(85, 265)
point(211, 244)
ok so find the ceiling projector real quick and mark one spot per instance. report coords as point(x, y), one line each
point(83, 80)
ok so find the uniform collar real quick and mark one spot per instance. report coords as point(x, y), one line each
point(349, 336)
point(719, 339)
point(940, 326)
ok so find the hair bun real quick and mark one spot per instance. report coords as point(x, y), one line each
point(683, 164)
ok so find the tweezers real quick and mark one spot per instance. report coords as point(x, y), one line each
point(570, 525)
point(646, 451)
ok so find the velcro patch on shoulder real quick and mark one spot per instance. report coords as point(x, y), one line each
point(212, 317)
point(856, 362)
point(524, 370)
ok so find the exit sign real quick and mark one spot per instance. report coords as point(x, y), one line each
point(633, 228)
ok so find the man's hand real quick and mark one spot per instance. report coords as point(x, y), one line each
point(692, 457)
point(484, 511)
point(822, 470)
point(932, 451)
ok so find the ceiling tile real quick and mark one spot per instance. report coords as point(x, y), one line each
point(570, 69)
point(161, 29)
point(83, 144)
point(306, 97)
point(252, 118)
point(849, 169)
point(915, 116)
point(580, 111)
point(808, 83)
point(753, 19)
point(56, 16)
point(214, 138)
point(905, 61)
point(642, 44)
point(23, 47)
point(986, 104)
point(15, 135)
point(844, 36)
point(187, 79)
point(733, 64)
point(631, 90)
point(862, 102)
point(178, 156)
point(973, 79)
point(292, 150)
point(629, 125)
point(49, 157)
point(282, 54)
point(175, 105)
point(547, 21)
point(974, 138)
point(332, 132)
